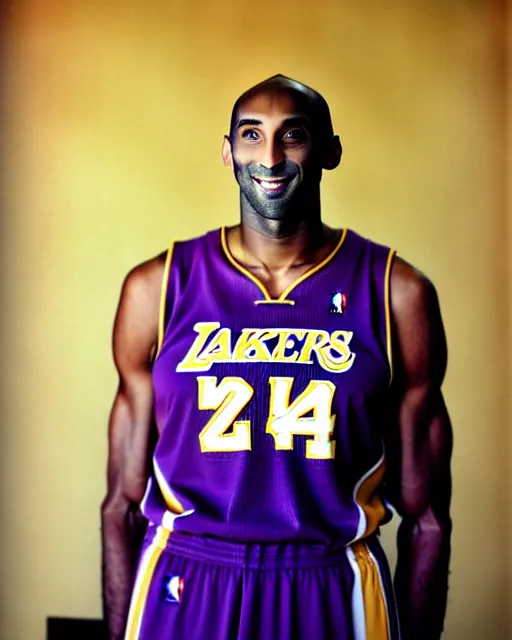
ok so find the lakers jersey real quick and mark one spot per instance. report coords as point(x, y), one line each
point(270, 412)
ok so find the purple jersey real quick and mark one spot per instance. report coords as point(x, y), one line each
point(270, 412)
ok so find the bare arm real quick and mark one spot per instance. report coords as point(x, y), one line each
point(420, 480)
point(130, 431)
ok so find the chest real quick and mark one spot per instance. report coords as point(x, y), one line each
point(244, 371)
point(222, 344)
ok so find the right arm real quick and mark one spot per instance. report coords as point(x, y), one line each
point(130, 431)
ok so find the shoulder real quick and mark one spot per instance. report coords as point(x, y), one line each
point(136, 323)
point(143, 283)
point(200, 241)
point(379, 254)
point(185, 252)
point(412, 292)
point(417, 325)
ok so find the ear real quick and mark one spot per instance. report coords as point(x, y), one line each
point(227, 155)
point(333, 153)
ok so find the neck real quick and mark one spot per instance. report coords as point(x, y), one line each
point(277, 245)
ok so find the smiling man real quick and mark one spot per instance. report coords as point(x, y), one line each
point(294, 375)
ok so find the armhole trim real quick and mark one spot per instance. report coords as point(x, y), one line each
point(163, 299)
point(387, 307)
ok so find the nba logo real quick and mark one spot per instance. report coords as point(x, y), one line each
point(338, 302)
point(173, 588)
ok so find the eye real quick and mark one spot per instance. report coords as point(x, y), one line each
point(295, 135)
point(249, 134)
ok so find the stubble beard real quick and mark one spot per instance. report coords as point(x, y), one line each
point(279, 206)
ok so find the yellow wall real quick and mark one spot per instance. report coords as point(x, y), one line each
point(115, 113)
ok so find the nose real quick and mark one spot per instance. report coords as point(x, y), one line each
point(272, 154)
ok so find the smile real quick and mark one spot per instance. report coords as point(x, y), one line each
point(272, 184)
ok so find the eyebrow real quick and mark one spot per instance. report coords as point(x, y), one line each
point(293, 121)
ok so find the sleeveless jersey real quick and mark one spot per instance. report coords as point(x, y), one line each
point(270, 412)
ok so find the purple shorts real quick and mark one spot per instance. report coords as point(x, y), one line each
point(198, 588)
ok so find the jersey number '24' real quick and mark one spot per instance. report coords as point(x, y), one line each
point(223, 432)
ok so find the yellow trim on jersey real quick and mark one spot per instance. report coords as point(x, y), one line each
point(282, 298)
point(316, 268)
point(143, 581)
point(239, 267)
point(163, 299)
point(369, 501)
point(172, 502)
point(387, 307)
point(375, 609)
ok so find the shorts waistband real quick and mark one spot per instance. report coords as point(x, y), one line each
point(252, 555)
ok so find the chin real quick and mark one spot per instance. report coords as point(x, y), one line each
point(277, 208)
point(272, 209)
point(285, 215)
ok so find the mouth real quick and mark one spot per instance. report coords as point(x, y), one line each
point(272, 185)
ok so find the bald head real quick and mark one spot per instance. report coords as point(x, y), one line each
point(281, 140)
point(309, 99)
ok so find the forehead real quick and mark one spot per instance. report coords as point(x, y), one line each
point(277, 105)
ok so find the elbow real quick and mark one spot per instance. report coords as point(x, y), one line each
point(435, 528)
point(120, 500)
point(115, 507)
point(429, 527)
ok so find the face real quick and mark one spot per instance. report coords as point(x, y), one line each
point(274, 153)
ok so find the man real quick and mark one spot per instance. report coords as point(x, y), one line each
point(294, 373)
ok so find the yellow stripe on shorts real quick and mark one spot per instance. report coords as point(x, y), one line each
point(369, 607)
point(142, 582)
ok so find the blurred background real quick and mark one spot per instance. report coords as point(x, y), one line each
point(112, 119)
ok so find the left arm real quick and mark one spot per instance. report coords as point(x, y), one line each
point(420, 481)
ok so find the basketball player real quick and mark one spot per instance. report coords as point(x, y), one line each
point(294, 373)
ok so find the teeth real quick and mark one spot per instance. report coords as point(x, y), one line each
point(271, 185)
